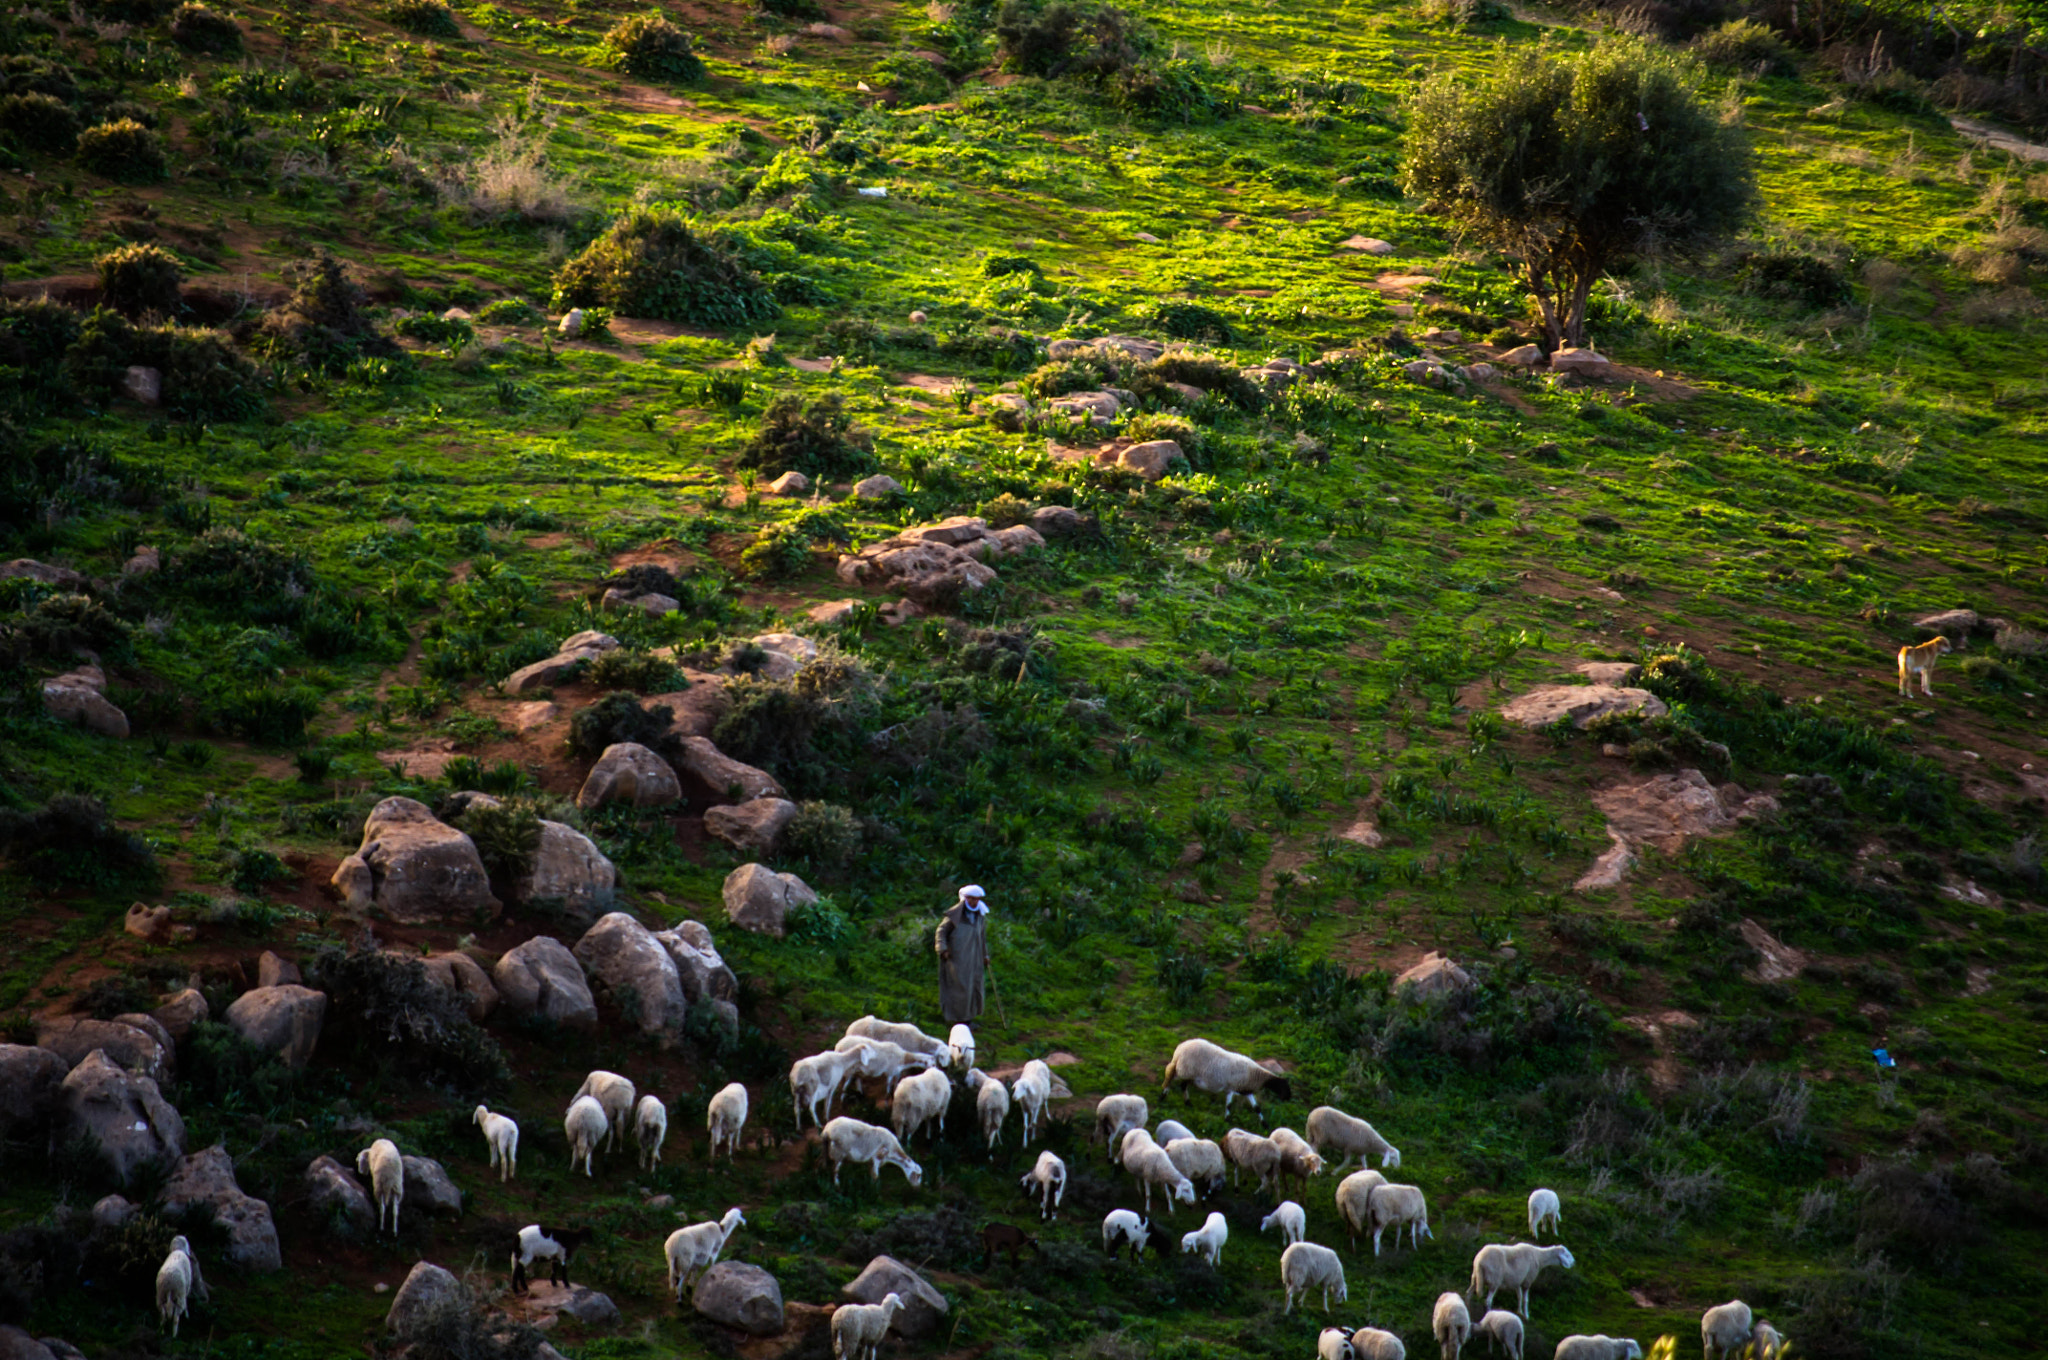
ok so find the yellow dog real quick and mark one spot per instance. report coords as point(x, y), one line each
point(1920, 661)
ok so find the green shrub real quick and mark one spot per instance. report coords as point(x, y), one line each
point(323, 323)
point(1190, 321)
point(1004, 511)
point(816, 438)
point(1063, 39)
point(204, 377)
point(123, 150)
point(140, 278)
point(199, 29)
point(649, 46)
point(634, 669)
point(1217, 377)
point(428, 18)
point(649, 263)
point(226, 567)
point(130, 11)
point(1746, 45)
point(38, 122)
point(778, 551)
point(252, 870)
point(791, 9)
point(383, 1008)
point(268, 712)
point(511, 312)
point(914, 79)
point(72, 840)
point(59, 625)
point(507, 837)
point(436, 330)
point(215, 1064)
point(1793, 276)
point(1062, 376)
point(826, 834)
point(621, 717)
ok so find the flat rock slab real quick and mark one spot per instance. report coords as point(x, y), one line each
point(1776, 960)
point(1580, 704)
point(1665, 810)
point(1609, 672)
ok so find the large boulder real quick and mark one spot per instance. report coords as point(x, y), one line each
point(110, 1213)
point(15, 1344)
point(575, 653)
point(623, 955)
point(207, 1178)
point(28, 569)
point(1433, 977)
point(1954, 624)
point(1580, 704)
point(29, 1081)
point(180, 1011)
point(428, 1187)
point(1001, 543)
point(879, 487)
point(647, 602)
point(753, 828)
point(740, 1295)
point(337, 1198)
point(1152, 459)
point(1053, 520)
point(695, 709)
point(1667, 810)
point(547, 1303)
point(454, 971)
point(79, 697)
point(427, 1294)
point(415, 869)
point(787, 653)
point(700, 967)
point(726, 780)
point(569, 873)
point(1522, 356)
point(139, 1048)
point(152, 925)
point(956, 532)
point(923, 1305)
point(759, 899)
point(275, 970)
point(125, 1112)
point(283, 1020)
point(632, 774)
point(1585, 362)
point(541, 977)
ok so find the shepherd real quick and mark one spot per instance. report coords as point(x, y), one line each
point(962, 946)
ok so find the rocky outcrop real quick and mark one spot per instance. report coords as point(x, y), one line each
point(791, 483)
point(428, 1187)
point(1776, 961)
point(1610, 869)
point(788, 653)
point(547, 1303)
point(30, 1079)
point(923, 1306)
point(569, 873)
point(647, 602)
point(576, 651)
point(1954, 624)
point(636, 971)
point(541, 977)
point(455, 971)
point(759, 899)
point(724, 779)
point(701, 969)
point(932, 574)
point(79, 697)
point(1053, 521)
point(208, 1178)
point(1152, 459)
point(1366, 245)
point(337, 1198)
point(147, 923)
point(1580, 704)
point(832, 613)
point(695, 710)
point(28, 569)
point(740, 1295)
point(632, 774)
point(283, 1020)
point(125, 1112)
point(275, 970)
point(752, 828)
point(1666, 810)
point(428, 1293)
point(144, 1048)
point(415, 869)
point(1435, 976)
point(1609, 672)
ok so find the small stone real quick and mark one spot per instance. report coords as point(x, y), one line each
point(1581, 704)
point(918, 318)
point(833, 613)
point(145, 922)
point(1522, 356)
point(1151, 459)
point(142, 385)
point(759, 899)
point(1434, 976)
point(145, 560)
point(791, 483)
point(879, 487)
point(76, 697)
point(1368, 245)
point(752, 827)
point(1052, 520)
point(1576, 359)
point(273, 970)
point(572, 323)
point(1147, 237)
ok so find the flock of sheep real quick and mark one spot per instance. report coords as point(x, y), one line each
point(916, 1069)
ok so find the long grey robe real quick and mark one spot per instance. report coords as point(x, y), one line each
point(962, 943)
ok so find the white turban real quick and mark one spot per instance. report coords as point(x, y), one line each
point(971, 897)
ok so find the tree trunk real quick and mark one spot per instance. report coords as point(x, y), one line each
point(1546, 303)
point(1575, 318)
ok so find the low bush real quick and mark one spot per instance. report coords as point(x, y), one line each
point(129, 11)
point(57, 626)
point(1062, 39)
point(428, 18)
point(268, 712)
point(913, 79)
point(634, 669)
point(1748, 46)
point(36, 121)
point(323, 323)
point(507, 837)
point(649, 46)
point(621, 717)
point(71, 840)
point(1218, 377)
point(777, 552)
point(511, 312)
point(204, 377)
point(816, 438)
point(826, 834)
point(1793, 276)
point(123, 150)
point(436, 330)
point(383, 1008)
point(650, 263)
point(140, 278)
point(1190, 321)
point(199, 29)
point(35, 333)
point(216, 1064)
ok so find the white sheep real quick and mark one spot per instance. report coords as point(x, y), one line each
point(1047, 1180)
point(650, 1130)
point(1334, 1343)
point(961, 1042)
point(1148, 1162)
point(858, 1328)
point(1216, 1070)
point(1499, 1266)
point(1253, 1153)
point(1505, 1330)
point(921, 1100)
point(1200, 1160)
point(1292, 1220)
point(1298, 1161)
point(1116, 1116)
point(1725, 1329)
point(618, 1098)
point(503, 1137)
point(850, 1140)
point(1305, 1266)
point(1171, 1131)
point(1398, 1207)
point(1544, 1208)
point(1767, 1341)
point(1370, 1343)
point(1207, 1239)
point(1124, 1227)
point(991, 1104)
point(1331, 1130)
point(384, 1169)
point(585, 1127)
point(814, 1081)
point(909, 1038)
point(885, 1061)
point(1450, 1322)
point(1600, 1347)
point(1354, 1201)
point(726, 1119)
point(693, 1250)
point(174, 1282)
point(1032, 1092)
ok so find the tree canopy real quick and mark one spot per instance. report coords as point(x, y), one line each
point(1573, 165)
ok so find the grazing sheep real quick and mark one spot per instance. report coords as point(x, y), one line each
point(1396, 1207)
point(1331, 1130)
point(1171, 1131)
point(858, 1328)
point(1370, 1343)
point(909, 1038)
point(1601, 1347)
point(1544, 1208)
point(850, 1140)
point(1032, 1091)
point(1505, 1329)
point(886, 1062)
point(174, 1284)
point(1254, 1154)
point(1497, 1267)
point(1047, 1180)
point(1122, 1227)
point(1354, 1201)
point(991, 1104)
point(1148, 1162)
point(921, 1100)
point(1725, 1329)
point(997, 1237)
point(384, 1169)
point(1450, 1322)
point(1200, 1160)
point(1767, 1341)
point(1209, 1068)
point(1292, 1219)
point(814, 1081)
point(618, 1098)
point(1334, 1343)
point(693, 1250)
point(585, 1126)
point(1207, 1239)
point(727, 1119)
point(1116, 1116)
point(1298, 1161)
point(503, 1136)
point(650, 1130)
point(961, 1043)
point(1306, 1266)
point(553, 1245)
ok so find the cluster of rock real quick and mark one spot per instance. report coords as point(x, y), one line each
point(664, 972)
point(934, 565)
point(79, 696)
point(577, 651)
point(1432, 370)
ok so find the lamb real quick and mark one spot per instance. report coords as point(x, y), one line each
point(381, 1166)
point(1298, 1161)
point(1031, 1091)
point(726, 1119)
point(1601, 1347)
point(585, 1126)
point(650, 1130)
point(1148, 1162)
point(1306, 1266)
point(991, 1104)
point(1116, 1116)
point(1544, 1208)
point(1334, 1343)
point(1171, 1131)
point(1047, 1180)
point(553, 1245)
point(1206, 1067)
point(1396, 1207)
point(1370, 1343)
point(1505, 1329)
point(909, 1038)
point(858, 1328)
point(919, 1101)
point(814, 1081)
point(693, 1250)
point(1123, 1227)
point(1497, 1267)
point(1255, 1154)
point(1207, 1239)
point(850, 1140)
point(961, 1042)
point(503, 1137)
point(617, 1096)
point(1725, 1329)
point(1451, 1323)
point(1354, 1201)
point(997, 1237)
point(1331, 1130)
point(1200, 1160)
point(174, 1284)
point(1767, 1341)
point(1292, 1220)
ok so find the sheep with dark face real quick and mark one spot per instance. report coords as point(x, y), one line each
point(553, 1245)
point(1207, 1067)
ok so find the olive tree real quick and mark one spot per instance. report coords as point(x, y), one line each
point(1574, 165)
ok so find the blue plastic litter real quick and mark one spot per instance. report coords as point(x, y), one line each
point(1884, 1057)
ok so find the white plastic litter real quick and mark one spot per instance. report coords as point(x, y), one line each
point(873, 191)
